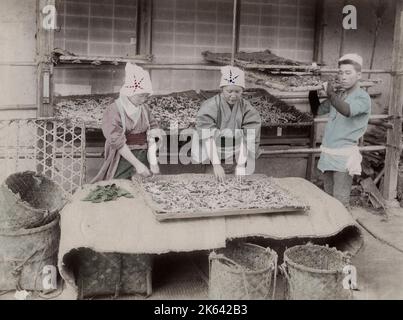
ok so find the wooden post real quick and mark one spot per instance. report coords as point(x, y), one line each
point(310, 167)
point(343, 34)
point(235, 30)
point(45, 45)
point(149, 26)
point(394, 135)
point(318, 39)
point(144, 27)
point(317, 57)
point(139, 27)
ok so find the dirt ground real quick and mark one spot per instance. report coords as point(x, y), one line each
point(379, 265)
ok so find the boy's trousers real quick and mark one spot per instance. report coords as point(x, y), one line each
point(338, 185)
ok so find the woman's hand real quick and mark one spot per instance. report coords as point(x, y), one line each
point(142, 170)
point(219, 172)
point(155, 169)
point(240, 172)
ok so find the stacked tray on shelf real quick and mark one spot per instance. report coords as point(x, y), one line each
point(276, 72)
point(180, 108)
point(87, 108)
point(273, 111)
point(243, 59)
point(202, 196)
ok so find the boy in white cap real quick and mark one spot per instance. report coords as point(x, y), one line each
point(349, 110)
point(126, 125)
point(228, 128)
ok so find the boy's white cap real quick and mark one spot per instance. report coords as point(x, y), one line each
point(232, 76)
point(353, 57)
point(137, 80)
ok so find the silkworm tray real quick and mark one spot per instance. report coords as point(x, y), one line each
point(200, 195)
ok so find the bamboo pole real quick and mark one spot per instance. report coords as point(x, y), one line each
point(317, 150)
point(395, 109)
point(381, 124)
point(152, 66)
point(146, 64)
point(371, 117)
point(19, 64)
point(277, 152)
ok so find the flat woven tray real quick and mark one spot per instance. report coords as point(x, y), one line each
point(244, 58)
point(199, 195)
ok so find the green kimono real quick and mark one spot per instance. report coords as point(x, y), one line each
point(217, 119)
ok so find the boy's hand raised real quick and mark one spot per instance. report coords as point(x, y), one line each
point(330, 89)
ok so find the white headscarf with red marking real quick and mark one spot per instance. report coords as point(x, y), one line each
point(137, 81)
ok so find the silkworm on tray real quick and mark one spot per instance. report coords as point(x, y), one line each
point(179, 108)
point(199, 195)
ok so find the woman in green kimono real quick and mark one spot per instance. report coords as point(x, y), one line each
point(127, 125)
point(227, 129)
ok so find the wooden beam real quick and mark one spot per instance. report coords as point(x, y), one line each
point(394, 136)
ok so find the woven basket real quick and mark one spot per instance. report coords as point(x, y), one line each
point(242, 272)
point(106, 274)
point(24, 253)
point(314, 272)
point(29, 200)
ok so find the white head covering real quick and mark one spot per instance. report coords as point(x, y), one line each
point(232, 76)
point(353, 57)
point(137, 80)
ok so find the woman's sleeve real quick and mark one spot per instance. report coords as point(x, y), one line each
point(151, 119)
point(251, 125)
point(154, 131)
point(206, 119)
point(112, 128)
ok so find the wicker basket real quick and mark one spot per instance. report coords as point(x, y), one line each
point(106, 274)
point(242, 271)
point(29, 200)
point(314, 272)
point(24, 253)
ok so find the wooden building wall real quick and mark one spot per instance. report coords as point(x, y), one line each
point(18, 72)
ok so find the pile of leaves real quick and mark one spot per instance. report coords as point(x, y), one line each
point(109, 192)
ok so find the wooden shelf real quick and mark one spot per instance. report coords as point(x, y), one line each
point(101, 60)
